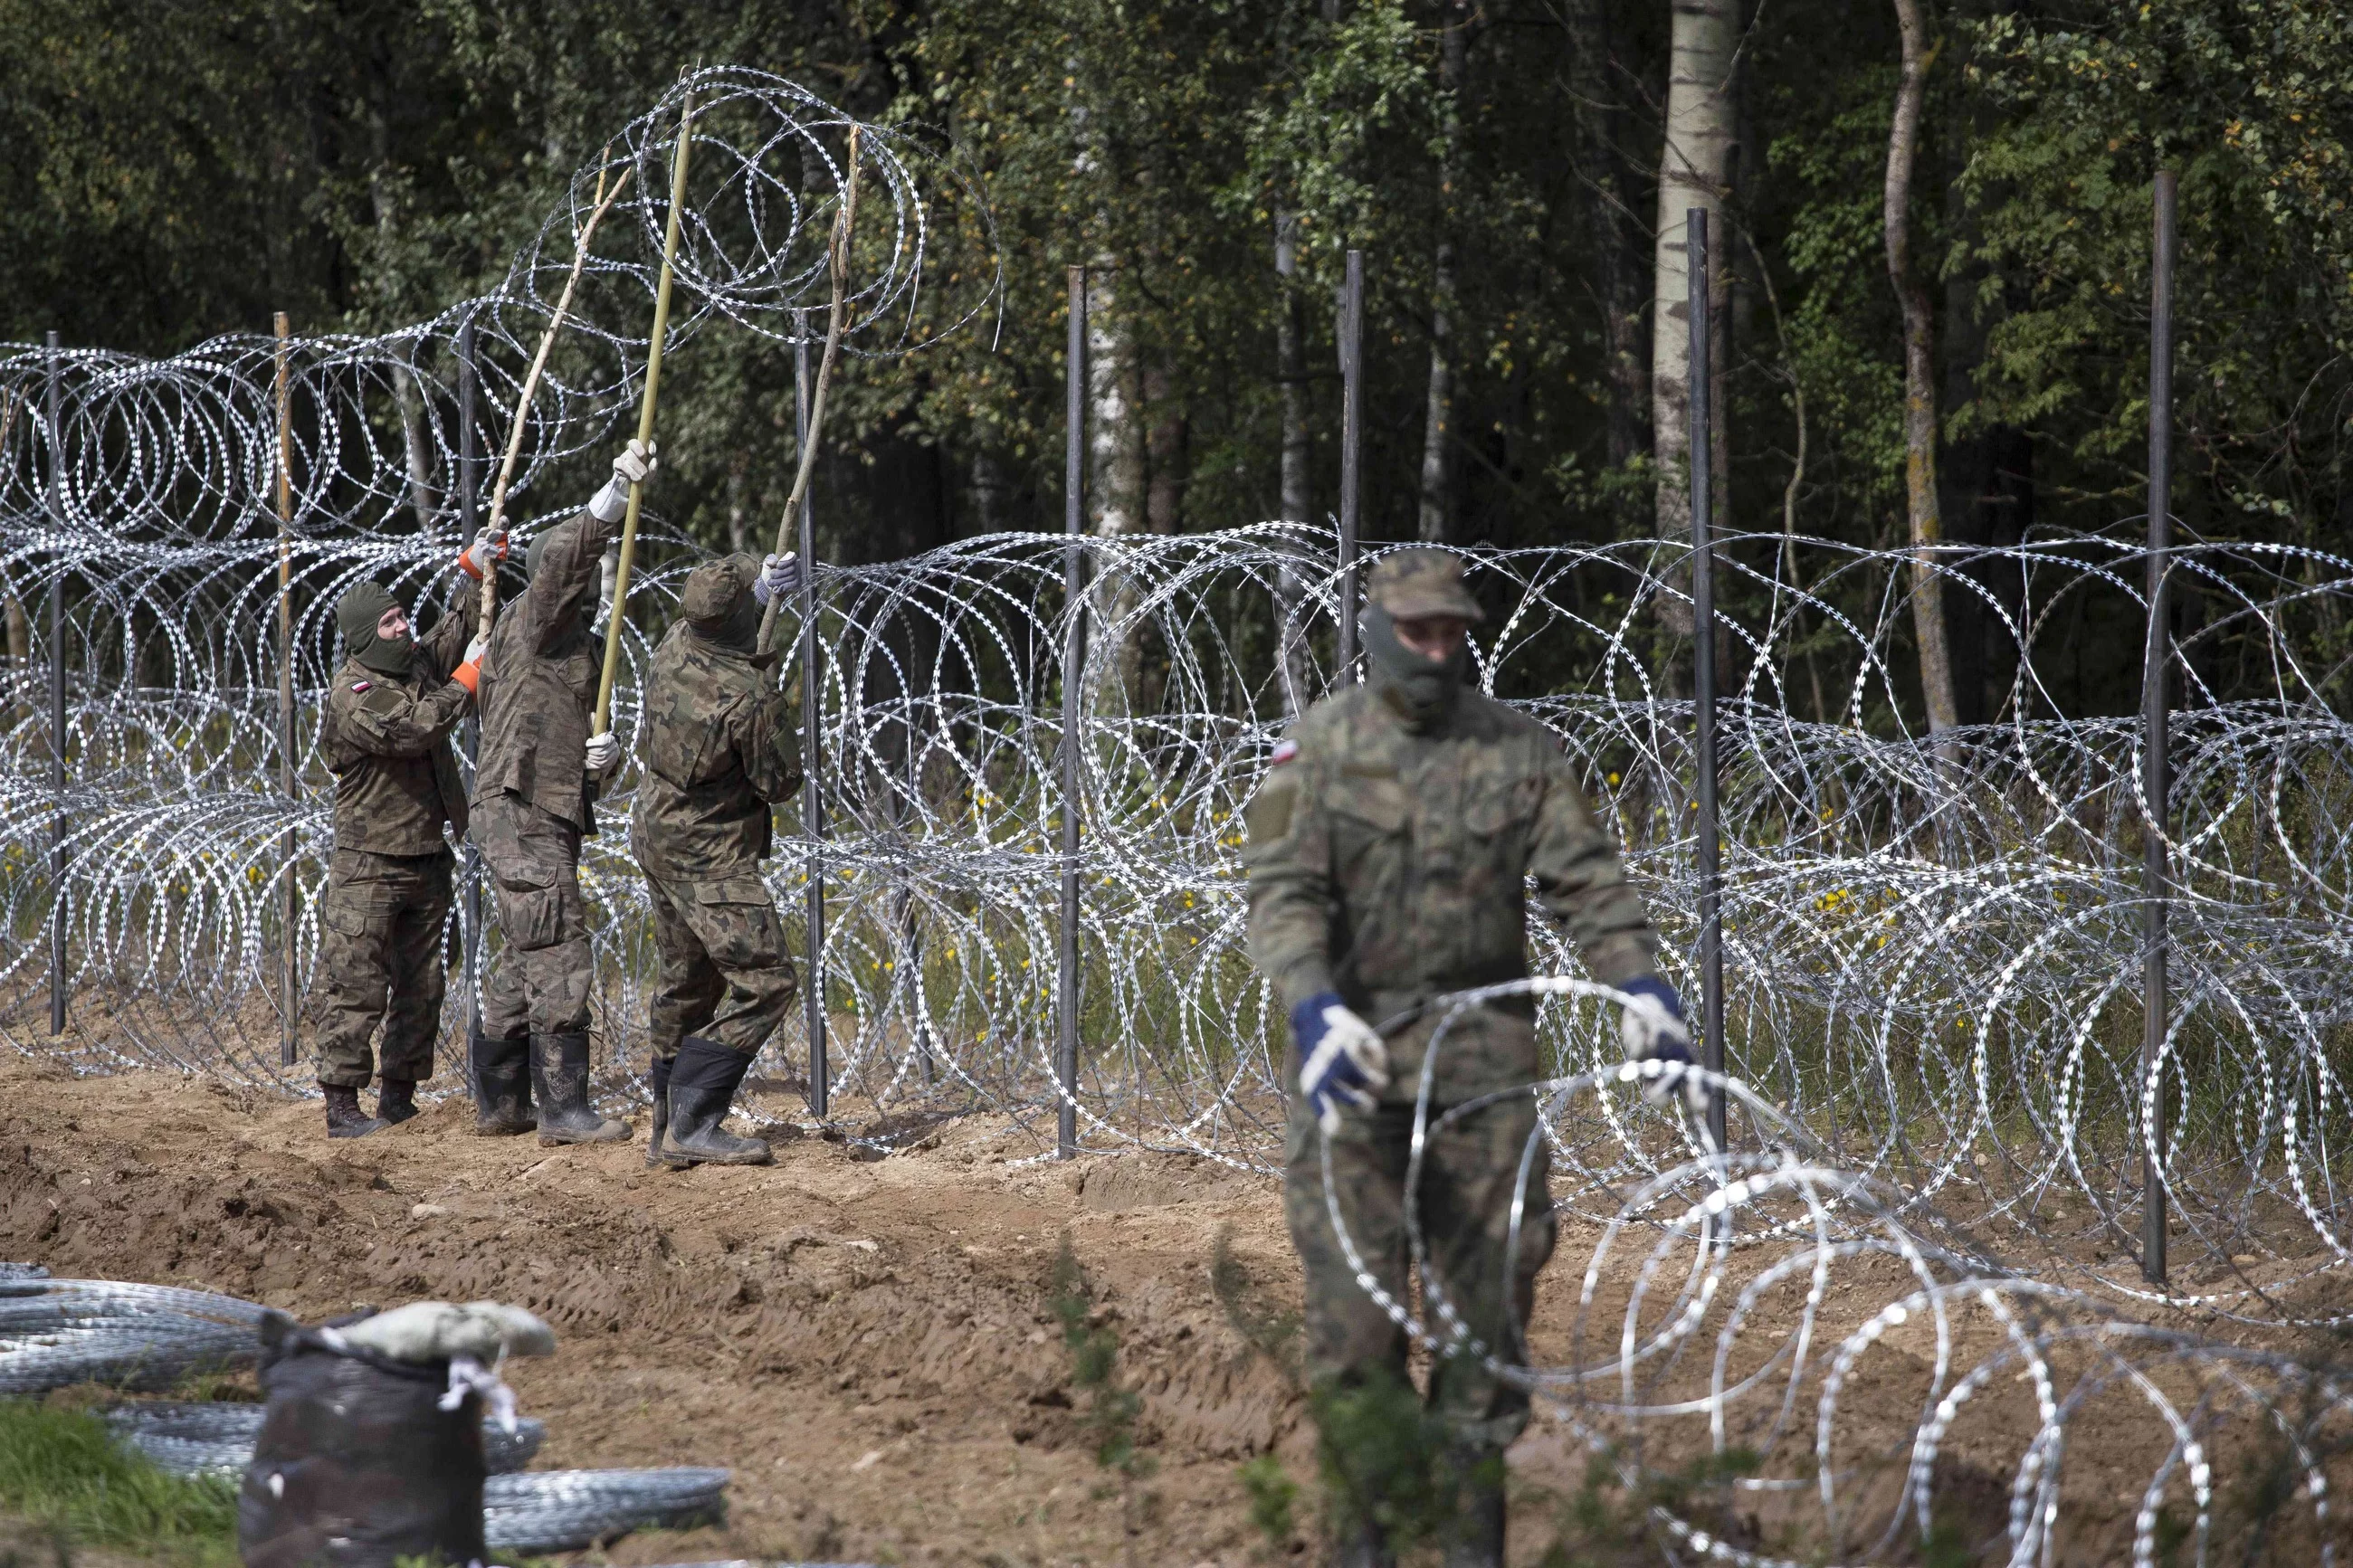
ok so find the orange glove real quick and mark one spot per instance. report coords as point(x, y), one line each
point(489, 551)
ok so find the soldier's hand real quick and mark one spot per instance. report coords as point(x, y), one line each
point(1342, 1060)
point(483, 557)
point(635, 466)
point(476, 649)
point(779, 575)
point(1651, 1028)
point(603, 751)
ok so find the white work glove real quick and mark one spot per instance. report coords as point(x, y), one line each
point(779, 575)
point(483, 557)
point(1653, 1029)
point(635, 466)
point(603, 751)
point(1341, 1058)
point(475, 650)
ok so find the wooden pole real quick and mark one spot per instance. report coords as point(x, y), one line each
point(1352, 444)
point(812, 751)
point(1710, 847)
point(288, 993)
point(490, 601)
point(2155, 722)
point(469, 486)
point(58, 980)
point(600, 721)
point(845, 224)
point(1074, 527)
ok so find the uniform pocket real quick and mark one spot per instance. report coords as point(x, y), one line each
point(733, 891)
point(738, 925)
point(347, 919)
point(1378, 806)
point(1502, 806)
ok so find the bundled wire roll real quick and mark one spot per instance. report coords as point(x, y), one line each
point(192, 1439)
point(564, 1510)
point(13, 1271)
point(54, 1333)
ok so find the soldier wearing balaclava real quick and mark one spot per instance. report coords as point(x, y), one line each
point(386, 740)
point(717, 753)
point(1390, 855)
point(535, 799)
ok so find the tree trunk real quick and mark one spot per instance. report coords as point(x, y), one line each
point(1608, 231)
point(1919, 372)
point(1695, 170)
point(1437, 511)
point(1298, 499)
point(417, 450)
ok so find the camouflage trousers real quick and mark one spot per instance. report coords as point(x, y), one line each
point(1463, 1207)
point(380, 962)
point(539, 981)
point(724, 974)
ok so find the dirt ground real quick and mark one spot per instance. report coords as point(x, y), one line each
point(869, 1345)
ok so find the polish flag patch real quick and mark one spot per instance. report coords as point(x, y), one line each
point(364, 685)
point(1283, 754)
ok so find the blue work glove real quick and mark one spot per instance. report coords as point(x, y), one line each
point(779, 575)
point(1342, 1060)
point(1653, 1029)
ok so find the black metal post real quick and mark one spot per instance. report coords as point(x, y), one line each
point(2154, 726)
point(1352, 443)
point(469, 521)
point(812, 755)
point(1710, 846)
point(1074, 525)
point(56, 704)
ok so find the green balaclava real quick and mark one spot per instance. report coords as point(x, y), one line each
point(1421, 690)
point(717, 603)
point(357, 616)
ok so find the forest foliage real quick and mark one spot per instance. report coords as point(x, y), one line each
point(180, 171)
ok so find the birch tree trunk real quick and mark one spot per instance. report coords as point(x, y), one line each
point(1602, 176)
point(1695, 170)
point(1437, 511)
point(1919, 377)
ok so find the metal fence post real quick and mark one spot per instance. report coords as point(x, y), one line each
point(812, 755)
point(2155, 737)
point(470, 495)
point(1074, 523)
point(1710, 846)
point(287, 992)
point(1352, 445)
point(57, 705)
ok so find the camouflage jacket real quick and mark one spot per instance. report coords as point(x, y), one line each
point(718, 749)
point(386, 741)
point(1391, 866)
point(539, 679)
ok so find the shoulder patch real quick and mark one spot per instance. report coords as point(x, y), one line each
point(1284, 753)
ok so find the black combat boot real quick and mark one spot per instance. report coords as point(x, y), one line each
point(396, 1101)
point(559, 1067)
point(658, 1079)
point(502, 1075)
point(345, 1117)
point(1474, 1536)
point(702, 1087)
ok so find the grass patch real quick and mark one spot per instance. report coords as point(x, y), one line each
point(60, 1468)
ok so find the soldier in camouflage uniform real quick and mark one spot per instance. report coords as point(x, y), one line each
point(386, 740)
point(534, 786)
point(718, 752)
point(1388, 855)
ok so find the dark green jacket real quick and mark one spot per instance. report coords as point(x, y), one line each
point(386, 741)
point(718, 749)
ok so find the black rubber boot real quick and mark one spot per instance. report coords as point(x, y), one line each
point(701, 1087)
point(345, 1117)
point(395, 1102)
point(1474, 1537)
point(502, 1075)
point(658, 1079)
point(559, 1068)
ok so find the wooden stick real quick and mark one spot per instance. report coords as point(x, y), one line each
point(600, 722)
point(842, 226)
point(286, 686)
point(530, 389)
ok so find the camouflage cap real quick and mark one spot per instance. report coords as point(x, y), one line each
point(715, 591)
point(1409, 583)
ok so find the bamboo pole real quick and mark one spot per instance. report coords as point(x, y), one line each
point(490, 604)
point(286, 1018)
point(600, 722)
point(1352, 445)
point(844, 223)
point(56, 706)
point(2154, 718)
point(813, 1015)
